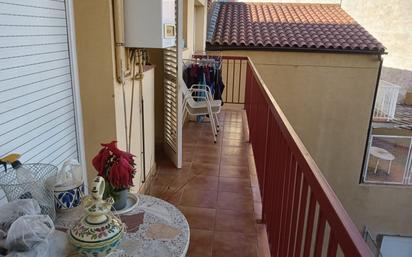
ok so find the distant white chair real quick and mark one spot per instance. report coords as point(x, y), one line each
point(198, 101)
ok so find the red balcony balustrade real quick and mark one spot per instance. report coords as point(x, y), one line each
point(303, 216)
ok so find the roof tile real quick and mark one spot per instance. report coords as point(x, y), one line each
point(281, 25)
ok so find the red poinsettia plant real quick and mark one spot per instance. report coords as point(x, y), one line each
point(115, 166)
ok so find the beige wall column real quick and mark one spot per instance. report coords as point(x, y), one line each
point(156, 58)
point(200, 30)
point(95, 57)
point(190, 28)
point(101, 94)
point(194, 27)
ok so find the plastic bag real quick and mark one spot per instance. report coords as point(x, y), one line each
point(70, 174)
point(11, 211)
point(28, 231)
point(56, 245)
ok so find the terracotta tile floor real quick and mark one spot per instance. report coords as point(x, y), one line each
point(216, 190)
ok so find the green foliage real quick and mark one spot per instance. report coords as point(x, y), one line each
point(110, 191)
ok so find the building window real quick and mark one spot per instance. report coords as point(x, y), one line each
point(388, 157)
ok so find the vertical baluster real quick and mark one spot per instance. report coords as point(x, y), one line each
point(255, 103)
point(320, 232)
point(227, 79)
point(274, 188)
point(258, 131)
point(248, 92)
point(265, 188)
point(250, 120)
point(295, 209)
point(279, 207)
point(252, 106)
point(246, 106)
point(309, 225)
point(290, 191)
point(277, 182)
point(265, 150)
point(285, 198)
point(262, 179)
point(301, 222)
point(279, 175)
point(240, 80)
point(332, 245)
point(260, 138)
point(276, 173)
point(233, 80)
point(265, 118)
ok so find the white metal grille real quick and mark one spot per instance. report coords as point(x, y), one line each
point(37, 116)
point(386, 100)
point(170, 56)
point(170, 97)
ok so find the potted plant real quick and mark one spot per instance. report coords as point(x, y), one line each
point(118, 169)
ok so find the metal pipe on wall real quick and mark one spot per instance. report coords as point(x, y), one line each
point(120, 59)
point(118, 19)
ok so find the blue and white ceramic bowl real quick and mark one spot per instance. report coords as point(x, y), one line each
point(68, 197)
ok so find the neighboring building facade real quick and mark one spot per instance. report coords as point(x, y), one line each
point(322, 68)
point(391, 23)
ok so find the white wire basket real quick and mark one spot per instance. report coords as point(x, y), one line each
point(37, 189)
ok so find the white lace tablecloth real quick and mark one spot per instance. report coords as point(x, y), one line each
point(155, 229)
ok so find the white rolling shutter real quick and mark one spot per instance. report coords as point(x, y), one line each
point(37, 114)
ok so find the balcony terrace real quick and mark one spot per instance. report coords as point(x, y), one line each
point(257, 178)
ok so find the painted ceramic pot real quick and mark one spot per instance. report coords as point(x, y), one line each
point(66, 198)
point(121, 201)
point(98, 232)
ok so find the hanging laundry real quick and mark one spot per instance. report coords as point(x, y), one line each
point(205, 71)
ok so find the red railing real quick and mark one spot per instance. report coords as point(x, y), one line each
point(303, 216)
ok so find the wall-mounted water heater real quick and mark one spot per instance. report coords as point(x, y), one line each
point(150, 23)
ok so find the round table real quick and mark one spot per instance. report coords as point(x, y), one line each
point(155, 228)
point(381, 154)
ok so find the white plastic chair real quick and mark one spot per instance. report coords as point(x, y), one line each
point(201, 104)
point(217, 103)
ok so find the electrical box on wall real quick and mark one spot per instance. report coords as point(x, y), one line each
point(150, 23)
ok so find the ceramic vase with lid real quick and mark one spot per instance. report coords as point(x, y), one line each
point(98, 232)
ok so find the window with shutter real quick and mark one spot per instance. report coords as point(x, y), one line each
point(37, 110)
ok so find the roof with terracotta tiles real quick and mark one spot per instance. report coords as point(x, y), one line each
point(280, 26)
